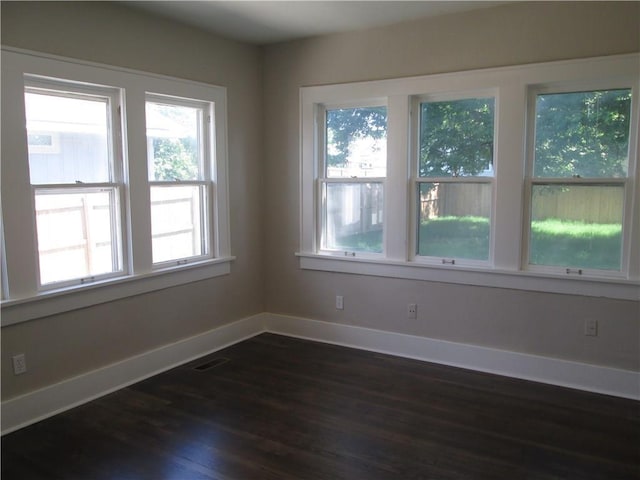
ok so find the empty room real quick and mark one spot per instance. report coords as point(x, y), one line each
point(320, 240)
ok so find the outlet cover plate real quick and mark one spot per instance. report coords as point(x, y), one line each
point(19, 364)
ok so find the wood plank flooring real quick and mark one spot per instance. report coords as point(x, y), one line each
point(283, 408)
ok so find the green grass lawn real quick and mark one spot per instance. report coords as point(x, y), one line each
point(576, 244)
point(553, 242)
point(455, 237)
point(362, 242)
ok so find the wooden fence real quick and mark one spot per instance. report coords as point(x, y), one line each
point(601, 204)
point(579, 203)
point(455, 199)
point(75, 233)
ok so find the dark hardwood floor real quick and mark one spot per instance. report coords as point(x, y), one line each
point(282, 408)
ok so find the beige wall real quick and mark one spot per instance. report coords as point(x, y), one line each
point(263, 112)
point(529, 322)
point(68, 344)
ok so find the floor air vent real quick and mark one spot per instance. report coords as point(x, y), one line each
point(210, 364)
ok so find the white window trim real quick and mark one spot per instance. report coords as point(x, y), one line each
point(206, 132)
point(114, 181)
point(323, 180)
point(23, 300)
point(531, 180)
point(417, 180)
point(512, 85)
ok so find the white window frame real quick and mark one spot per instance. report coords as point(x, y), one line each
point(323, 180)
point(509, 209)
point(23, 299)
point(417, 180)
point(207, 159)
point(625, 182)
point(114, 184)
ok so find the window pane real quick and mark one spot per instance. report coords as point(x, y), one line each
point(456, 138)
point(454, 220)
point(177, 226)
point(577, 226)
point(67, 138)
point(583, 133)
point(353, 217)
point(76, 234)
point(173, 142)
point(356, 142)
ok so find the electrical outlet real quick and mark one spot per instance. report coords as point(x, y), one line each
point(339, 302)
point(412, 311)
point(591, 327)
point(19, 364)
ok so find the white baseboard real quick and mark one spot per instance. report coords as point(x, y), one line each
point(34, 406)
point(581, 376)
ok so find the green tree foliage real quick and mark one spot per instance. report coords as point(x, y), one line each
point(174, 131)
point(344, 125)
point(582, 134)
point(174, 159)
point(456, 137)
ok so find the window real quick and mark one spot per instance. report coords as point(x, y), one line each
point(178, 151)
point(43, 142)
point(520, 177)
point(455, 171)
point(76, 186)
point(352, 179)
point(86, 219)
point(580, 172)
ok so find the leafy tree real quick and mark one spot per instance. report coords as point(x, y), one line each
point(174, 159)
point(344, 125)
point(456, 137)
point(582, 133)
point(175, 148)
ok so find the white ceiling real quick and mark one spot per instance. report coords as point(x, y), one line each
point(264, 22)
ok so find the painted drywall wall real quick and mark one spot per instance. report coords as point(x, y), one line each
point(69, 344)
point(264, 220)
point(528, 322)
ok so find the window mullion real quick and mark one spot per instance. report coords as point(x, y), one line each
point(139, 215)
point(508, 206)
point(396, 195)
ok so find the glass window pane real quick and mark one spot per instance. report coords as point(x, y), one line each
point(577, 226)
point(177, 226)
point(582, 133)
point(353, 217)
point(173, 142)
point(454, 220)
point(76, 234)
point(67, 138)
point(356, 143)
point(456, 138)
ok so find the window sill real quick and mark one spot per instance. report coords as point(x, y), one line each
point(518, 280)
point(81, 296)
